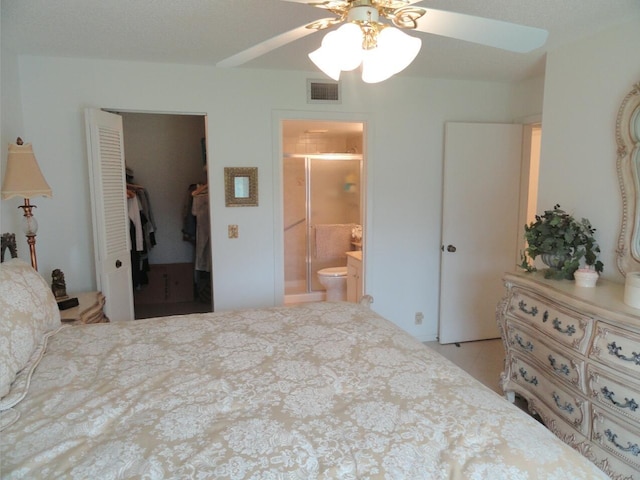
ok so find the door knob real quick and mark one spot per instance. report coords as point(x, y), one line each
point(118, 263)
point(451, 248)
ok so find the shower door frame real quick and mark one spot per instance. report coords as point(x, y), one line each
point(307, 178)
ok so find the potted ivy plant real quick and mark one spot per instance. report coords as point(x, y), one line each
point(562, 242)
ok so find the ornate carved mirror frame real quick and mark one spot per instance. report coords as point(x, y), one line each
point(628, 166)
point(241, 186)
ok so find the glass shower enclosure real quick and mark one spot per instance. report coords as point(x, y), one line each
point(318, 189)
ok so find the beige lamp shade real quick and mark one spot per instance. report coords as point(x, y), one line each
point(23, 177)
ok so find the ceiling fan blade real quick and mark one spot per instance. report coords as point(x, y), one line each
point(319, 3)
point(485, 31)
point(323, 3)
point(265, 47)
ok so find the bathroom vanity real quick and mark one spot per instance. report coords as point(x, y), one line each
point(574, 354)
point(354, 276)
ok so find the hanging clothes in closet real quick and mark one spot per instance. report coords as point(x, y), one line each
point(188, 218)
point(200, 209)
point(197, 230)
point(142, 228)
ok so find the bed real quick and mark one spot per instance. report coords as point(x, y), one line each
point(318, 391)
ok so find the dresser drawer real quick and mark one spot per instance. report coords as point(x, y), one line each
point(614, 393)
point(562, 324)
point(565, 367)
point(561, 401)
point(609, 464)
point(617, 348)
point(617, 437)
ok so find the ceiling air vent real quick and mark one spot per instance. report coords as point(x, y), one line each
point(323, 91)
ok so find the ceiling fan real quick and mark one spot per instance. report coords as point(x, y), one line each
point(368, 34)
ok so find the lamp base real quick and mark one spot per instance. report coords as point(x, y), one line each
point(31, 240)
point(31, 227)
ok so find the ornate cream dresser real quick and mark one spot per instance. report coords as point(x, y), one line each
point(574, 354)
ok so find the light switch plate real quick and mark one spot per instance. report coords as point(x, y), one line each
point(233, 231)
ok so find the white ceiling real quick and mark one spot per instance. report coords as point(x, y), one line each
point(208, 31)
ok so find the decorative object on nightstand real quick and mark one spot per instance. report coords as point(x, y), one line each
point(58, 284)
point(89, 309)
point(8, 243)
point(23, 178)
point(59, 289)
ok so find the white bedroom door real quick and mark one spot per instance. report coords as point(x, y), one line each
point(479, 226)
point(109, 210)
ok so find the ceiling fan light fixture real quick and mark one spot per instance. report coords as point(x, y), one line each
point(381, 49)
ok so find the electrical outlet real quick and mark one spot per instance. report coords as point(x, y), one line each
point(419, 318)
point(233, 231)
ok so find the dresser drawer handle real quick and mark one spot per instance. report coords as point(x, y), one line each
point(564, 369)
point(615, 350)
point(533, 380)
point(630, 404)
point(634, 449)
point(533, 311)
point(528, 346)
point(567, 407)
point(557, 325)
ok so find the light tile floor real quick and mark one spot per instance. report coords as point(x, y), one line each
point(483, 360)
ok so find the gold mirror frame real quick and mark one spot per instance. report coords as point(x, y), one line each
point(241, 186)
point(628, 166)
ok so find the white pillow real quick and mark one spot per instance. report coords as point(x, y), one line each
point(28, 311)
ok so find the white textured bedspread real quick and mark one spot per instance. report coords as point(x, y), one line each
point(326, 390)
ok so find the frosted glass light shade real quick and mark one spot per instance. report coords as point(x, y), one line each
point(395, 52)
point(23, 177)
point(374, 68)
point(341, 50)
point(325, 60)
point(400, 49)
point(325, 56)
point(348, 46)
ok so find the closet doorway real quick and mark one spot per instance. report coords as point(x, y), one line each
point(166, 162)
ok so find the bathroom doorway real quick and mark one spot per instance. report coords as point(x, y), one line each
point(322, 202)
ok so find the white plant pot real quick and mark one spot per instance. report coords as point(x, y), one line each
point(585, 278)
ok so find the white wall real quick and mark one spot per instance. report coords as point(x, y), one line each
point(585, 84)
point(11, 128)
point(405, 127)
point(526, 100)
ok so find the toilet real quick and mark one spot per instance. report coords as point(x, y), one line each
point(334, 280)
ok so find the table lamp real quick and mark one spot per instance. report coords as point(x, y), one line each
point(23, 178)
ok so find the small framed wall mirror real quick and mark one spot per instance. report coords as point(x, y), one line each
point(241, 186)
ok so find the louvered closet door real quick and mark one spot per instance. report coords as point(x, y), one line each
point(110, 216)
